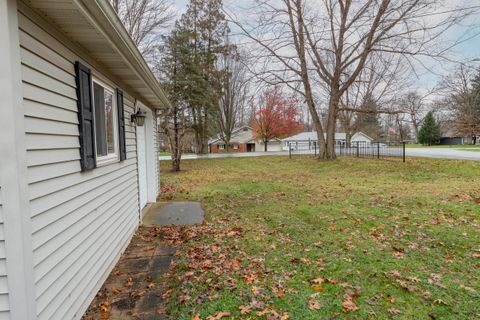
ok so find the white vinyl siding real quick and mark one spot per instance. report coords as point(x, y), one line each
point(142, 166)
point(156, 144)
point(81, 221)
point(4, 303)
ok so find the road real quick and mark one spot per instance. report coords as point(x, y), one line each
point(440, 153)
point(443, 153)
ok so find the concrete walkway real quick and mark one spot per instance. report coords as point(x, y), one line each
point(440, 153)
point(178, 213)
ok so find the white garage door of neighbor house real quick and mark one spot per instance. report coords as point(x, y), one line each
point(142, 165)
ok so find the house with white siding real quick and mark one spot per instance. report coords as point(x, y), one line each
point(243, 140)
point(78, 152)
point(307, 140)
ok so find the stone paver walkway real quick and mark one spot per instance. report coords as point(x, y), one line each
point(134, 289)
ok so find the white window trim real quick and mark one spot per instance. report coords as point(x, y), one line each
point(112, 157)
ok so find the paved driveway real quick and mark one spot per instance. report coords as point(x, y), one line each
point(441, 153)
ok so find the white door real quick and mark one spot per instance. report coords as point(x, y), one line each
point(142, 165)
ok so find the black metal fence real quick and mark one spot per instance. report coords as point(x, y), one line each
point(375, 150)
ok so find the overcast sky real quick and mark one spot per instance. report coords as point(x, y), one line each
point(467, 51)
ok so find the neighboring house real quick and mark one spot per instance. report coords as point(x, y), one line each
point(75, 171)
point(451, 137)
point(309, 140)
point(243, 140)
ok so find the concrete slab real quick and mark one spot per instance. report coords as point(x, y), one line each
point(174, 213)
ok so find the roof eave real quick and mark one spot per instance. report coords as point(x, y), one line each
point(102, 15)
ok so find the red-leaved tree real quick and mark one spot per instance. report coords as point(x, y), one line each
point(276, 117)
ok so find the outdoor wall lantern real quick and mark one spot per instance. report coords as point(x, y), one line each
point(139, 118)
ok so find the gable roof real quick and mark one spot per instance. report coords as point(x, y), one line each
point(312, 136)
point(240, 135)
point(363, 134)
point(91, 28)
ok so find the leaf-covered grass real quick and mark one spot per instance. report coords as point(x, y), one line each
point(348, 239)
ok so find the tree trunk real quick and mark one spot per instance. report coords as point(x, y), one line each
point(227, 144)
point(299, 40)
point(348, 138)
point(415, 126)
point(265, 145)
point(175, 146)
point(176, 158)
point(332, 122)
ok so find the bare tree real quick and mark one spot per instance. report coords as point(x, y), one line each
point(174, 125)
point(233, 93)
point(463, 100)
point(379, 82)
point(326, 45)
point(145, 20)
point(413, 104)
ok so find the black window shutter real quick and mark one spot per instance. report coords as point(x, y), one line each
point(121, 126)
point(85, 116)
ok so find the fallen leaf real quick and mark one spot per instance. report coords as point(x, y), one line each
point(105, 315)
point(250, 278)
point(440, 301)
point(244, 309)
point(116, 290)
point(317, 288)
point(218, 316)
point(314, 305)
point(257, 290)
point(317, 280)
point(394, 312)
point(129, 282)
point(349, 304)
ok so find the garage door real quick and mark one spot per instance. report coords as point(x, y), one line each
point(142, 166)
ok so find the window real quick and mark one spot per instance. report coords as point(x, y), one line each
point(105, 122)
point(235, 147)
point(221, 146)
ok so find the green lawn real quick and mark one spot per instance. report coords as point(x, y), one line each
point(349, 239)
point(168, 153)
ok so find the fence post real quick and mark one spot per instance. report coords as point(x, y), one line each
point(378, 150)
point(290, 150)
point(315, 148)
point(358, 149)
point(403, 143)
